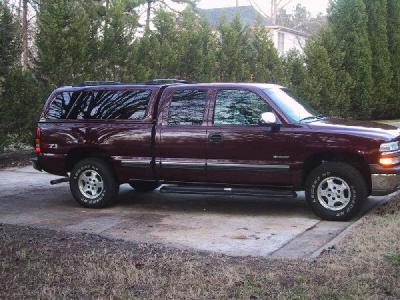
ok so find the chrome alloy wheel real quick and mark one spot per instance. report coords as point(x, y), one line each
point(90, 184)
point(334, 193)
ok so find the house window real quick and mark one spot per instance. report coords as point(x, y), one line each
point(281, 43)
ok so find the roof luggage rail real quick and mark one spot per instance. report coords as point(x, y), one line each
point(166, 81)
point(94, 83)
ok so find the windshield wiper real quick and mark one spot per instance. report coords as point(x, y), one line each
point(318, 117)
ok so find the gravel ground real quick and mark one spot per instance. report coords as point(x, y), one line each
point(38, 263)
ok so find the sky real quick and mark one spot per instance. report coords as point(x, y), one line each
point(314, 6)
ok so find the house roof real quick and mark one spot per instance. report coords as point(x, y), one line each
point(248, 15)
point(290, 30)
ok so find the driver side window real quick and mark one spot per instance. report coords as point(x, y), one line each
point(239, 107)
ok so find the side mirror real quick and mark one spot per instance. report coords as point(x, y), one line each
point(268, 118)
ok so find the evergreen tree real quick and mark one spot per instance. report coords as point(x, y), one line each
point(266, 65)
point(294, 71)
point(209, 45)
point(381, 65)
point(120, 24)
point(234, 51)
point(349, 20)
point(189, 46)
point(166, 37)
point(326, 82)
point(394, 50)
point(196, 48)
point(64, 41)
point(9, 43)
point(143, 64)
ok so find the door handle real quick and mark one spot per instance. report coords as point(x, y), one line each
point(216, 137)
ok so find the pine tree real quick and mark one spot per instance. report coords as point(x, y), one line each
point(152, 5)
point(9, 42)
point(294, 71)
point(266, 65)
point(209, 43)
point(394, 50)
point(349, 20)
point(166, 36)
point(381, 65)
point(9, 54)
point(120, 24)
point(196, 48)
point(63, 42)
point(326, 82)
point(234, 51)
point(189, 46)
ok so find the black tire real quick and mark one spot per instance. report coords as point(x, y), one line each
point(104, 184)
point(144, 187)
point(321, 178)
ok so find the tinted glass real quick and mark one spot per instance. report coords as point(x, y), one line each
point(239, 107)
point(187, 107)
point(61, 106)
point(127, 105)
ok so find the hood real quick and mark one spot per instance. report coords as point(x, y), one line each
point(361, 128)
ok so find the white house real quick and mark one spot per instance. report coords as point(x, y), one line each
point(285, 39)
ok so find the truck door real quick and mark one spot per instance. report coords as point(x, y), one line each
point(239, 149)
point(182, 135)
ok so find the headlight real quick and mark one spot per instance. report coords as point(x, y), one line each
point(389, 147)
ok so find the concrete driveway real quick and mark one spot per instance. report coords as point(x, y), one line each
point(237, 226)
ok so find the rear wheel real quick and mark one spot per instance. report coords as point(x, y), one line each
point(144, 186)
point(336, 191)
point(93, 184)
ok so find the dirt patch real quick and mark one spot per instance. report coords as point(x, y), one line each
point(15, 159)
point(36, 263)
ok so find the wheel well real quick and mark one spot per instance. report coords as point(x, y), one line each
point(77, 155)
point(352, 159)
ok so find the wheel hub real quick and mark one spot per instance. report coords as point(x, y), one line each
point(90, 184)
point(334, 193)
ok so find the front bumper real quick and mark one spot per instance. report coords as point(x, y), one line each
point(36, 164)
point(384, 181)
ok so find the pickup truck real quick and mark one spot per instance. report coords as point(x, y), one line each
point(218, 138)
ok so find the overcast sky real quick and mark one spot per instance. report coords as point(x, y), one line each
point(314, 6)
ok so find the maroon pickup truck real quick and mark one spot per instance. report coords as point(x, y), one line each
point(219, 138)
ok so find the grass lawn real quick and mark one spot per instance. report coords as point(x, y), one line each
point(47, 264)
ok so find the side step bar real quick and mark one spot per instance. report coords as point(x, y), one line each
point(60, 180)
point(237, 191)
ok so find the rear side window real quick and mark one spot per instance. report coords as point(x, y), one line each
point(187, 107)
point(102, 104)
point(239, 107)
point(61, 106)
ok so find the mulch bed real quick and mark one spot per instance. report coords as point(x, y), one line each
point(15, 159)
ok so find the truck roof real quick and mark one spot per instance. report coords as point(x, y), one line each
point(118, 85)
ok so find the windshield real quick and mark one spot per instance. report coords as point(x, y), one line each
point(291, 106)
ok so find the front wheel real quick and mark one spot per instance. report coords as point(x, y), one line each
point(92, 183)
point(336, 191)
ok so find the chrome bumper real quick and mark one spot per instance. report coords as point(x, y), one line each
point(384, 184)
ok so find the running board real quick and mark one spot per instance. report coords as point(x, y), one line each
point(225, 191)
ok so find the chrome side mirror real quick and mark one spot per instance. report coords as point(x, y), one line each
point(268, 118)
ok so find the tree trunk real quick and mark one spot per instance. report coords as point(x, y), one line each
point(25, 49)
point(274, 11)
point(148, 16)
